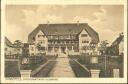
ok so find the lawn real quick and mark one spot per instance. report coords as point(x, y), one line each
point(44, 72)
point(11, 69)
point(111, 63)
point(79, 70)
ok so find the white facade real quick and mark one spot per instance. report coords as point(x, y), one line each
point(40, 39)
point(84, 40)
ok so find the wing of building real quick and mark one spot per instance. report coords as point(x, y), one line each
point(117, 47)
point(62, 37)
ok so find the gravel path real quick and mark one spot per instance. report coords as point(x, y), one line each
point(62, 67)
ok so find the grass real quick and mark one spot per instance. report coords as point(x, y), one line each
point(44, 72)
point(11, 69)
point(112, 63)
point(36, 62)
point(79, 70)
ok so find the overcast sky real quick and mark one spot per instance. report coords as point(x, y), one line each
point(107, 20)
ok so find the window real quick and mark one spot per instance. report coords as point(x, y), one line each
point(32, 54)
point(84, 35)
point(67, 42)
point(42, 41)
point(41, 36)
point(33, 38)
point(85, 41)
point(6, 49)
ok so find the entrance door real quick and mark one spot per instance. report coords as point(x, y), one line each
point(63, 49)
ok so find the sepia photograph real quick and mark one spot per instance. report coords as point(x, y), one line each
point(64, 41)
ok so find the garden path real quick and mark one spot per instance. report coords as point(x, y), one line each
point(62, 67)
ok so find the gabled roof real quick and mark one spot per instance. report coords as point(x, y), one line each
point(8, 43)
point(63, 29)
point(118, 40)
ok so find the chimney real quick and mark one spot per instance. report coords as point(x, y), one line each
point(78, 22)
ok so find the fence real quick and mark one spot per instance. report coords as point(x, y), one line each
point(14, 56)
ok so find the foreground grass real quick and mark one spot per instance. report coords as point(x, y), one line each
point(11, 69)
point(44, 72)
point(78, 70)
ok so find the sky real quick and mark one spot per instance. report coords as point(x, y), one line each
point(21, 20)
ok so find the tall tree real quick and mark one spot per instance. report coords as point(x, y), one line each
point(103, 46)
point(18, 43)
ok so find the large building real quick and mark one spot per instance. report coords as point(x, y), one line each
point(70, 38)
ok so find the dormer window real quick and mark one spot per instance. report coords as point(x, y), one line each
point(41, 36)
point(33, 38)
point(85, 41)
point(84, 35)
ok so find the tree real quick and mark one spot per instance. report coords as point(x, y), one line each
point(103, 46)
point(18, 43)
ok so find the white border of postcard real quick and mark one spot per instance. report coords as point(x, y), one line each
point(64, 80)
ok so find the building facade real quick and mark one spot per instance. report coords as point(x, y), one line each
point(71, 38)
point(10, 49)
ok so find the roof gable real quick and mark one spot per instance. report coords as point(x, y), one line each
point(118, 40)
point(64, 29)
point(7, 42)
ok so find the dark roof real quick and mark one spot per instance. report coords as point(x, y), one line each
point(118, 40)
point(8, 43)
point(63, 29)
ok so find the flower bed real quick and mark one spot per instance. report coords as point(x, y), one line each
point(44, 72)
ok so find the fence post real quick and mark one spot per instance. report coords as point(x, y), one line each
point(116, 73)
point(95, 73)
point(25, 74)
